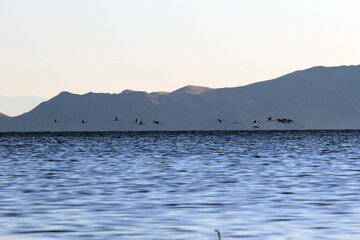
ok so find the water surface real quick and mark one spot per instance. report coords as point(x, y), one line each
point(180, 185)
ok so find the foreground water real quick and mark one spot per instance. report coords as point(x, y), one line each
point(180, 185)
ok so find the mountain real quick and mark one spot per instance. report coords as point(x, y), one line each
point(14, 106)
point(315, 98)
point(3, 115)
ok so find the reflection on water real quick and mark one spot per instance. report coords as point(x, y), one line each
point(180, 185)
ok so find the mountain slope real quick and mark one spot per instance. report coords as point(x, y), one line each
point(3, 118)
point(315, 98)
point(318, 97)
point(3, 115)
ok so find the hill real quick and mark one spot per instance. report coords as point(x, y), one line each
point(315, 98)
point(3, 117)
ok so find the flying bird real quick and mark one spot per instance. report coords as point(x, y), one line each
point(219, 120)
point(56, 121)
point(157, 122)
point(285, 120)
point(116, 119)
point(138, 122)
point(280, 120)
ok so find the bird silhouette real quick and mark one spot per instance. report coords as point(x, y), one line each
point(116, 119)
point(219, 120)
point(256, 127)
point(218, 232)
point(269, 119)
point(56, 121)
point(157, 122)
point(83, 122)
point(138, 122)
point(284, 120)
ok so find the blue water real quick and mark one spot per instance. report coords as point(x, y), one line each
point(180, 185)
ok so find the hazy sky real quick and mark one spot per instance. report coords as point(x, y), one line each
point(47, 46)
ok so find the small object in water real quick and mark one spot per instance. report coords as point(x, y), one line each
point(219, 120)
point(83, 122)
point(56, 121)
point(236, 122)
point(218, 232)
point(256, 127)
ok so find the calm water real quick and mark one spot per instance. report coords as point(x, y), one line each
point(180, 185)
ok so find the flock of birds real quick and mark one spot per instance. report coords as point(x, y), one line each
point(137, 121)
point(255, 123)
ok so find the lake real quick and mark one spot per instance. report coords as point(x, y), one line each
point(180, 185)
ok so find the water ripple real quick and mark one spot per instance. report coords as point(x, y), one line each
point(180, 185)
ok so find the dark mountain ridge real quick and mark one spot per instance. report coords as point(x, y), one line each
point(3, 115)
point(315, 98)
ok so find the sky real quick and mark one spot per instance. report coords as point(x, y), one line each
point(49, 46)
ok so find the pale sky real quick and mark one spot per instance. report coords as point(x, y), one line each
point(49, 46)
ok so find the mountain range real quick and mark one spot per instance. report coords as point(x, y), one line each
point(315, 98)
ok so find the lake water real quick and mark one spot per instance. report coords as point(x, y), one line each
point(180, 185)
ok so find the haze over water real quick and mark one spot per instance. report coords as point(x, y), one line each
point(180, 185)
